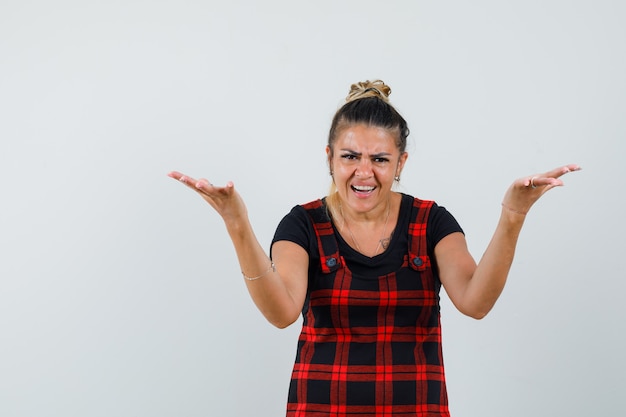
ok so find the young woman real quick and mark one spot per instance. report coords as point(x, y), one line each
point(364, 266)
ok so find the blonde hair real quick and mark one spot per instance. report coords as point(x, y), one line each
point(364, 89)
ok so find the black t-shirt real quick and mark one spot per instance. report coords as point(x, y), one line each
point(297, 227)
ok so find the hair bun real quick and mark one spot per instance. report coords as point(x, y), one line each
point(364, 89)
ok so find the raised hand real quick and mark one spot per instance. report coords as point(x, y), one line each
point(524, 192)
point(225, 200)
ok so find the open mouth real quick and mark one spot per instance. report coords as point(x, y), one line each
point(363, 189)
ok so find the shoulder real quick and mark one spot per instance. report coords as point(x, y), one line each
point(436, 212)
point(297, 217)
point(316, 210)
point(297, 225)
point(411, 204)
point(312, 205)
point(440, 215)
point(440, 222)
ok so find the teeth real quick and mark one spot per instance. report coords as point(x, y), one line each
point(363, 188)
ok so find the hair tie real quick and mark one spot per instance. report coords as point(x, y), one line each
point(365, 89)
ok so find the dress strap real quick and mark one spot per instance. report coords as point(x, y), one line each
point(330, 260)
point(418, 246)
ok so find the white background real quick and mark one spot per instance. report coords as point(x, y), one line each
point(120, 294)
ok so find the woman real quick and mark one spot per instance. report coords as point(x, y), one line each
point(364, 267)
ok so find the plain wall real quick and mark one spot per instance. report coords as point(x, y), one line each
point(120, 294)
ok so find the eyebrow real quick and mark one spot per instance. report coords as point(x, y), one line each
point(376, 155)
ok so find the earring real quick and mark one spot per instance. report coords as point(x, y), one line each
point(397, 178)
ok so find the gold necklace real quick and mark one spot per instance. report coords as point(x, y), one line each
point(382, 242)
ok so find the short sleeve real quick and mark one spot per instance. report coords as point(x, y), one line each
point(441, 223)
point(296, 227)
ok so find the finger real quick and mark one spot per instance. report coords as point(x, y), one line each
point(542, 181)
point(549, 178)
point(204, 185)
point(180, 177)
point(190, 182)
point(557, 172)
point(174, 174)
point(573, 167)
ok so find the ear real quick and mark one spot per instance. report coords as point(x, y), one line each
point(329, 156)
point(401, 162)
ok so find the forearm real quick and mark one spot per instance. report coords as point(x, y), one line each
point(491, 273)
point(268, 291)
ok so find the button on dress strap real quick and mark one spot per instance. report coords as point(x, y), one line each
point(328, 247)
point(418, 246)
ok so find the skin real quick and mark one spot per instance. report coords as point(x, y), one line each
point(364, 161)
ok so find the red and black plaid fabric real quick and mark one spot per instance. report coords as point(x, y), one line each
point(370, 346)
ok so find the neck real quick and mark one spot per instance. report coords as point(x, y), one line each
point(371, 218)
point(366, 230)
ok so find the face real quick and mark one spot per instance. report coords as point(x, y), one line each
point(364, 161)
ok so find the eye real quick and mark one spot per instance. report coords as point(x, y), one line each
point(349, 156)
point(380, 160)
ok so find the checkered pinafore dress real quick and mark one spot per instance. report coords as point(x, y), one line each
point(370, 346)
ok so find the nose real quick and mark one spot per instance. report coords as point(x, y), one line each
point(364, 168)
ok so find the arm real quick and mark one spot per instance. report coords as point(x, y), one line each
point(278, 292)
point(472, 288)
